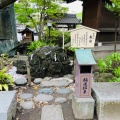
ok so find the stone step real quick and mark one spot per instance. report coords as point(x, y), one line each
point(52, 112)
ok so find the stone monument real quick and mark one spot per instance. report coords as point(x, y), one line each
point(8, 36)
point(107, 97)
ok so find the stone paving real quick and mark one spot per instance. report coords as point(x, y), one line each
point(52, 112)
point(45, 94)
point(50, 93)
point(50, 97)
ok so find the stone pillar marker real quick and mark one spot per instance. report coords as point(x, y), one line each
point(82, 101)
point(107, 96)
point(83, 73)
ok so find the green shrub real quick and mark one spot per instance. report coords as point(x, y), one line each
point(116, 72)
point(72, 49)
point(35, 45)
point(5, 80)
point(56, 37)
point(115, 79)
point(110, 64)
point(102, 65)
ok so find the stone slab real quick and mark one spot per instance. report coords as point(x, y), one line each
point(107, 96)
point(60, 100)
point(83, 108)
point(37, 80)
point(46, 91)
point(52, 112)
point(43, 98)
point(55, 82)
point(27, 104)
point(8, 104)
point(26, 96)
point(21, 80)
point(63, 91)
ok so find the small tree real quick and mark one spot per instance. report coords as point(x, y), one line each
point(79, 16)
point(34, 12)
point(114, 7)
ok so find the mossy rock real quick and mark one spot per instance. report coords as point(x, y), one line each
point(104, 77)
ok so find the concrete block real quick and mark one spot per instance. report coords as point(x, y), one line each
point(52, 112)
point(107, 96)
point(8, 104)
point(83, 108)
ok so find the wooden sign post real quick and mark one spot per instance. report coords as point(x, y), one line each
point(83, 37)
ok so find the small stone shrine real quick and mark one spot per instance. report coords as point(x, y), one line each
point(83, 72)
point(27, 35)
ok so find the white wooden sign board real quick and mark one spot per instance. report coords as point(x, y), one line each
point(83, 37)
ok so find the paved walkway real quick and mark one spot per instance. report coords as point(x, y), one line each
point(46, 99)
point(52, 112)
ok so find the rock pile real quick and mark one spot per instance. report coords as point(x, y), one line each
point(48, 61)
point(21, 66)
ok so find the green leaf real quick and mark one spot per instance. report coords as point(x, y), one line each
point(5, 86)
point(0, 87)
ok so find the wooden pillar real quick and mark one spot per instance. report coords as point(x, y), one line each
point(1, 62)
point(28, 73)
point(17, 55)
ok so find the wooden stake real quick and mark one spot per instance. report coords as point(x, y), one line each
point(28, 72)
point(17, 55)
point(1, 63)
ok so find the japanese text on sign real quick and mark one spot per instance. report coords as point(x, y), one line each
point(83, 37)
point(85, 40)
point(85, 85)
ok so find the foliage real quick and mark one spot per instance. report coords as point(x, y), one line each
point(114, 7)
point(115, 79)
point(5, 80)
point(34, 12)
point(5, 61)
point(4, 56)
point(79, 16)
point(37, 44)
point(72, 49)
point(116, 71)
point(102, 65)
point(110, 64)
point(56, 37)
